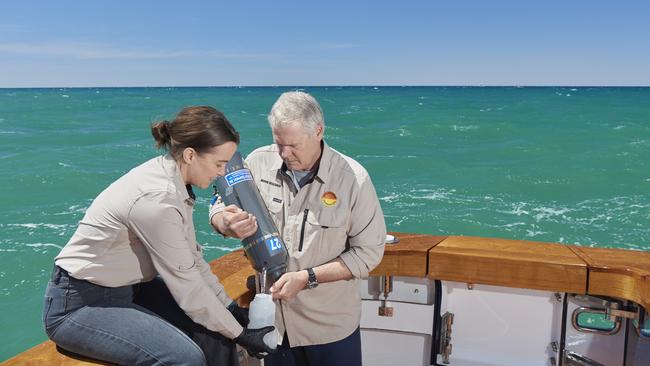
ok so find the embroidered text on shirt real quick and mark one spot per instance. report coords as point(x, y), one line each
point(271, 183)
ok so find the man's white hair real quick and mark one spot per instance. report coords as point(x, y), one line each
point(296, 108)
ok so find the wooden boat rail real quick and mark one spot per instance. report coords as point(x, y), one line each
point(623, 274)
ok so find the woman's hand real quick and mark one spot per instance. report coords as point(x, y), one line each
point(240, 314)
point(253, 341)
point(235, 222)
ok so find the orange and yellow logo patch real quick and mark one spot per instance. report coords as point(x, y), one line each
point(328, 199)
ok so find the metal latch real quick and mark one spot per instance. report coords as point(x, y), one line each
point(445, 336)
point(385, 309)
point(614, 313)
point(575, 359)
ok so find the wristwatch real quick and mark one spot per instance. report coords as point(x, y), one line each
point(312, 282)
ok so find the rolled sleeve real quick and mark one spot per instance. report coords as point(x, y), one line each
point(158, 223)
point(367, 232)
point(216, 206)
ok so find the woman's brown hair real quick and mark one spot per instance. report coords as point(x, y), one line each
point(200, 128)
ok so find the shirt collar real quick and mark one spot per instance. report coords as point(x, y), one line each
point(324, 163)
point(321, 167)
point(278, 164)
point(184, 190)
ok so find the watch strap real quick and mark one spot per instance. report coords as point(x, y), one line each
point(311, 279)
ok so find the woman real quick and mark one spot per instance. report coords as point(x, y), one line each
point(131, 286)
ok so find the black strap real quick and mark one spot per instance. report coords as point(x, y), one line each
point(190, 192)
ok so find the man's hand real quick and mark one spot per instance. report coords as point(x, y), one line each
point(289, 284)
point(235, 222)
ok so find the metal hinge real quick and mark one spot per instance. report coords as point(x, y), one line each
point(445, 336)
point(554, 347)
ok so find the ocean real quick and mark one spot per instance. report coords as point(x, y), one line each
point(552, 164)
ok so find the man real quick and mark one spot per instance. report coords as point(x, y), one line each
point(328, 214)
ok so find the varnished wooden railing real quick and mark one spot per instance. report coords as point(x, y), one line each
point(617, 273)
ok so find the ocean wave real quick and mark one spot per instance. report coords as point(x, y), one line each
point(518, 209)
point(607, 222)
point(534, 233)
point(37, 225)
point(397, 220)
point(390, 197)
point(402, 132)
point(220, 247)
point(6, 132)
point(373, 156)
point(383, 156)
point(544, 213)
point(640, 142)
point(463, 128)
point(74, 209)
point(36, 230)
point(514, 224)
point(432, 195)
point(44, 245)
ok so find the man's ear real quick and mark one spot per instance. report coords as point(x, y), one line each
point(319, 131)
point(189, 155)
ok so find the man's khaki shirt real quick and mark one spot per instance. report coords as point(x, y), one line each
point(337, 215)
point(141, 226)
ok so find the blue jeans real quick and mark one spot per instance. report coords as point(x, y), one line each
point(129, 325)
point(346, 352)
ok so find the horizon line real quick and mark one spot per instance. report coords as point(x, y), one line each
point(332, 86)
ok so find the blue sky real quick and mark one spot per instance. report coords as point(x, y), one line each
point(250, 43)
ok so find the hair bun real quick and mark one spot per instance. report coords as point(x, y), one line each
point(161, 133)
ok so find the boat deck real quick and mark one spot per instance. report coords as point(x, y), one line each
point(623, 274)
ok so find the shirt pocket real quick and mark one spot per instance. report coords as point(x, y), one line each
point(322, 235)
point(186, 265)
point(183, 259)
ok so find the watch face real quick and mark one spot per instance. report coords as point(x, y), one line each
point(311, 281)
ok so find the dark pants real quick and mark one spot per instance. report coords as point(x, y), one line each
point(155, 296)
point(346, 352)
point(129, 325)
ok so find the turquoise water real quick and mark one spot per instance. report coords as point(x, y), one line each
point(549, 164)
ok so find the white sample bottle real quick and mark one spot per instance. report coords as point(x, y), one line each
point(261, 314)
